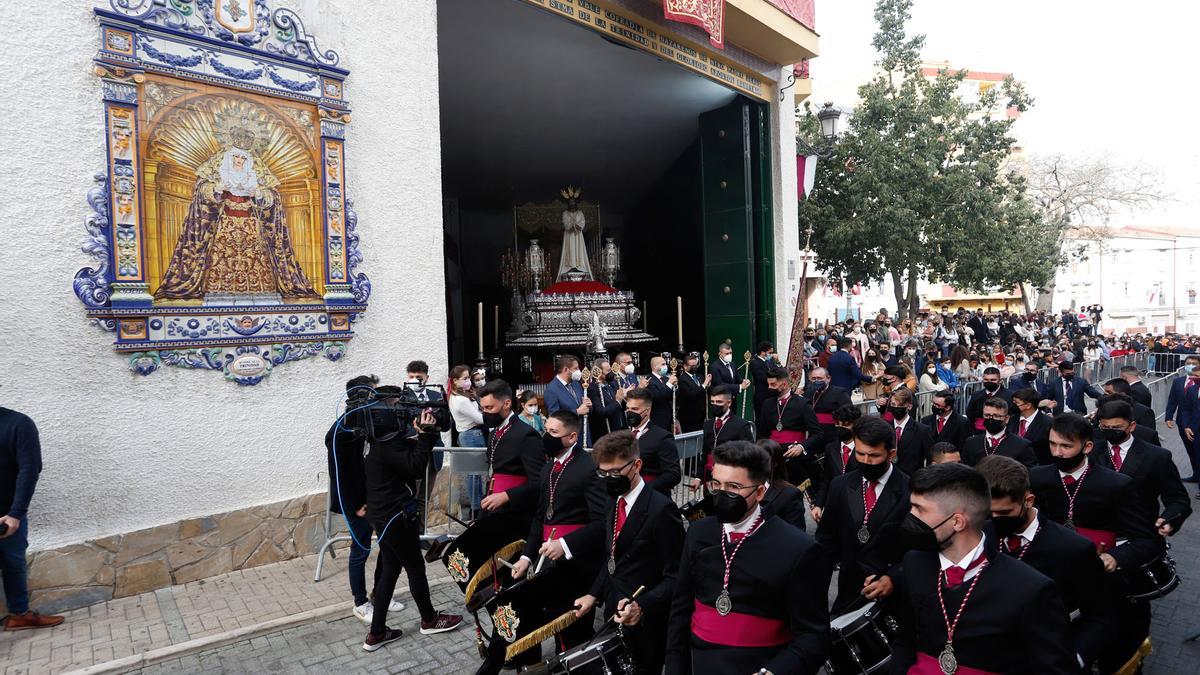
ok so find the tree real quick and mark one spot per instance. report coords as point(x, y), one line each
point(1078, 195)
point(919, 185)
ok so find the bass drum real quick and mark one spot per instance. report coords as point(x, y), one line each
point(488, 536)
point(860, 641)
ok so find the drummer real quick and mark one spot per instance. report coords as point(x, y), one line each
point(1069, 559)
point(750, 595)
point(963, 606)
point(568, 524)
point(864, 508)
point(1102, 505)
point(788, 419)
point(644, 539)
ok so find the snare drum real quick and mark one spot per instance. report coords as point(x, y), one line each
point(1152, 580)
point(604, 654)
point(860, 642)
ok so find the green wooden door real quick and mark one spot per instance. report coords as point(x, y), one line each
point(739, 286)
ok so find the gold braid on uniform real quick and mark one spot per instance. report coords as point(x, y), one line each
point(535, 638)
point(485, 569)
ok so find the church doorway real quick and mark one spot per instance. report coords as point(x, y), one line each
point(546, 126)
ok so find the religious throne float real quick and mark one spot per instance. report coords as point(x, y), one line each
point(564, 299)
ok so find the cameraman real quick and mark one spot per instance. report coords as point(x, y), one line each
point(393, 463)
point(348, 491)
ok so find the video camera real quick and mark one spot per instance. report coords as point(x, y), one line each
point(386, 411)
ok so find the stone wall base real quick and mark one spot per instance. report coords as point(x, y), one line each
point(176, 553)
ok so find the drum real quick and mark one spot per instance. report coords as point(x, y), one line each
point(860, 641)
point(604, 654)
point(696, 509)
point(1152, 580)
point(519, 614)
point(476, 545)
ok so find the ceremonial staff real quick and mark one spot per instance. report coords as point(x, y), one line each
point(598, 375)
point(584, 378)
point(745, 376)
point(705, 357)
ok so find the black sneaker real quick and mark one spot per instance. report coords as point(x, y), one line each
point(440, 624)
point(374, 642)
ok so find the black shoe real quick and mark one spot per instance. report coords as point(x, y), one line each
point(488, 667)
point(1190, 479)
point(374, 642)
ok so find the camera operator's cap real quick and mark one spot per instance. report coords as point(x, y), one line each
point(388, 391)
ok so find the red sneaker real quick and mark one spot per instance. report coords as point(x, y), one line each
point(440, 624)
point(374, 642)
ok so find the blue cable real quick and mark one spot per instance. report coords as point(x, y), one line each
point(336, 478)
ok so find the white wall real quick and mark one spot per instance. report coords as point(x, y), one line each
point(121, 451)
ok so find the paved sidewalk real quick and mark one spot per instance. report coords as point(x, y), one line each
point(201, 610)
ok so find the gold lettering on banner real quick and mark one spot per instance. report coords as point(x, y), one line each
point(599, 16)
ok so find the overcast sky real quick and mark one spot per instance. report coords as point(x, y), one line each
point(1105, 75)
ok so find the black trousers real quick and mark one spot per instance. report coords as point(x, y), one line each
point(400, 548)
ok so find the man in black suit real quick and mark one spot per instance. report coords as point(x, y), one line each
point(568, 524)
point(643, 540)
point(760, 366)
point(978, 326)
point(607, 413)
point(660, 457)
point(1142, 414)
point(1102, 505)
point(515, 457)
point(725, 371)
point(789, 420)
point(995, 439)
point(912, 438)
point(1027, 379)
point(1067, 390)
point(721, 426)
point(1137, 389)
point(944, 424)
point(1006, 616)
point(824, 397)
point(738, 606)
point(1142, 432)
point(1031, 424)
point(992, 388)
point(1155, 476)
point(1064, 556)
point(862, 515)
point(691, 397)
point(839, 454)
point(661, 384)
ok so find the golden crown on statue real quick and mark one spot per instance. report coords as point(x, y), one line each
point(570, 192)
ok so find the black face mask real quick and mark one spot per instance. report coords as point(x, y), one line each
point(1069, 464)
point(715, 411)
point(915, 535)
point(898, 412)
point(1029, 377)
point(844, 435)
point(991, 387)
point(993, 426)
point(1008, 526)
point(616, 486)
point(493, 420)
point(632, 419)
point(873, 471)
point(552, 446)
point(940, 410)
point(1114, 436)
point(729, 507)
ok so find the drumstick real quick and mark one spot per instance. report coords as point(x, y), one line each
point(542, 558)
point(626, 601)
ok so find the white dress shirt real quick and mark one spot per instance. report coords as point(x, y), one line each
point(631, 497)
point(965, 563)
point(743, 525)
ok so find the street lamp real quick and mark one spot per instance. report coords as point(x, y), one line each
point(829, 116)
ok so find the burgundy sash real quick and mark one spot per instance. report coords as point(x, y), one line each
point(561, 530)
point(928, 665)
point(1105, 538)
point(506, 481)
point(737, 629)
point(785, 436)
point(825, 418)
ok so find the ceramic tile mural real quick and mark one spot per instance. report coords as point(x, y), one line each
point(221, 230)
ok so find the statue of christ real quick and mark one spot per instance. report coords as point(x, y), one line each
point(573, 265)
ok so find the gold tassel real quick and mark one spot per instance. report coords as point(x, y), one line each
point(1135, 661)
point(535, 638)
point(485, 570)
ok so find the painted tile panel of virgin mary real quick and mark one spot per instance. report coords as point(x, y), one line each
point(233, 197)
